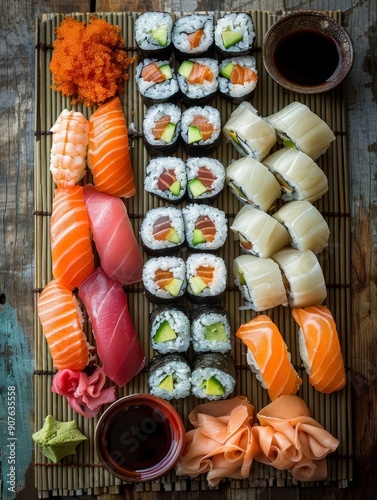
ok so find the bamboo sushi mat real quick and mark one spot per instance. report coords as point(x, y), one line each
point(82, 473)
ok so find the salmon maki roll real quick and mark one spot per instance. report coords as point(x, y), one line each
point(200, 130)
point(108, 154)
point(71, 247)
point(193, 36)
point(268, 356)
point(197, 80)
point(61, 320)
point(238, 78)
point(320, 348)
point(156, 81)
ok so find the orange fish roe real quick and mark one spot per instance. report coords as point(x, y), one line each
point(89, 62)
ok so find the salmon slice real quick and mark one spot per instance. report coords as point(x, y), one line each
point(108, 154)
point(159, 126)
point(269, 356)
point(320, 348)
point(206, 225)
point(163, 278)
point(166, 179)
point(194, 38)
point(161, 228)
point(199, 74)
point(206, 177)
point(61, 320)
point(204, 126)
point(241, 75)
point(71, 247)
point(152, 73)
point(206, 273)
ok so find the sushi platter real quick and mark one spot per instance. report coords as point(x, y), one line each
point(83, 472)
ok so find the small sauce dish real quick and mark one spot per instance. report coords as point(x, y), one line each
point(139, 438)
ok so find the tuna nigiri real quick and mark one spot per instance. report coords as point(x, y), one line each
point(320, 348)
point(108, 155)
point(113, 235)
point(61, 320)
point(268, 356)
point(118, 346)
point(71, 247)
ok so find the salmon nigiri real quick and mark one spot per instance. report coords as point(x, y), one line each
point(268, 356)
point(320, 348)
point(61, 321)
point(108, 154)
point(71, 247)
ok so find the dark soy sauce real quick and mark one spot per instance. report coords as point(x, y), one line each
point(307, 57)
point(138, 438)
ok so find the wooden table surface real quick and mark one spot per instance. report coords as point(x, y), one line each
point(17, 23)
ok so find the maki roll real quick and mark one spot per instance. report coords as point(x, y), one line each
point(260, 282)
point(165, 178)
point(164, 279)
point(206, 278)
point(210, 330)
point(303, 277)
point(299, 176)
point(213, 376)
point(153, 34)
point(307, 227)
point(258, 233)
point(169, 329)
point(298, 127)
point(169, 376)
point(193, 36)
point(156, 81)
point(205, 179)
point(162, 231)
point(237, 78)
point(234, 35)
point(205, 227)
point(161, 129)
point(249, 133)
point(253, 184)
point(197, 80)
point(200, 130)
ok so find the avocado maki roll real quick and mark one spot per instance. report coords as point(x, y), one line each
point(234, 35)
point(197, 80)
point(164, 279)
point(205, 179)
point(213, 376)
point(166, 178)
point(193, 36)
point(153, 34)
point(156, 81)
point(206, 278)
point(169, 329)
point(206, 227)
point(162, 231)
point(237, 78)
point(210, 329)
point(169, 376)
point(161, 129)
point(200, 130)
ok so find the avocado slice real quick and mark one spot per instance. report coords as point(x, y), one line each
point(216, 331)
point(174, 286)
point(227, 70)
point(167, 383)
point(198, 237)
point(231, 37)
point(197, 187)
point(288, 143)
point(197, 284)
point(173, 236)
point(175, 188)
point(241, 278)
point(168, 132)
point(194, 134)
point(185, 68)
point(234, 137)
point(166, 70)
point(164, 333)
point(160, 33)
point(213, 387)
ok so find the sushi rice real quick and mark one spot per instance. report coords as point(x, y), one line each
point(154, 113)
point(185, 25)
point(196, 91)
point(216, 288)
point(239, 22)
point(216, 366)
point(215, 167)
point(145, 26)
point(178, 321)
point(155, 92)
point(202, 321)
point(149, 242)
point(156, 168)
point(191, 213)
point(166, 365)
point(237, 91)
point(211, 113)
point(175, 265)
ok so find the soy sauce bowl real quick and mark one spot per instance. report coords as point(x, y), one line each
point(307, 52)
point(139, 438)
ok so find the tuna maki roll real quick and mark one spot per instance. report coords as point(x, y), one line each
point(200, 130)
point(193, 36)
point(205, 227)
point(213, 376)
point(164, 279)
point(156, 81)
point(234, 35)
point(210, 330)
point(169, 329)
point(162, 231)
point(169, 376)
point(237, 78)
point(205, 179)
point(153, 34)
point(161, 129)
point(206, 278)
point(165, 178)
point(197, 80)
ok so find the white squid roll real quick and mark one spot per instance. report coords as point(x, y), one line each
point(303, 277)
point(305, 224)
point(252, 183)
point(260, 282)
point(299, 127)
point(249, 133)
point(258, 233)
point(299, 176)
